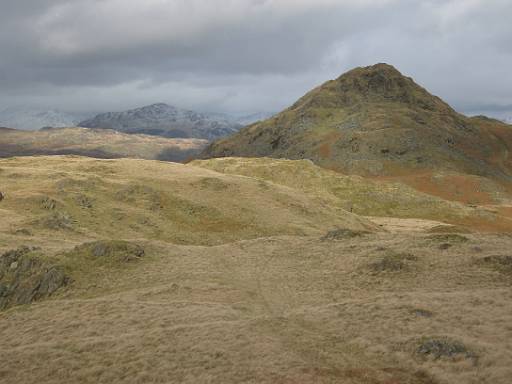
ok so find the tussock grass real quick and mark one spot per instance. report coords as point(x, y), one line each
point(177, 278)
point(356, 194)
point(502, 263)
point(87, 198)
point(451, 238)
point(99, 143)
point(343, 234)
point(393, 262)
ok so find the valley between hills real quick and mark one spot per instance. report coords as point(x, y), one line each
point(363, 235)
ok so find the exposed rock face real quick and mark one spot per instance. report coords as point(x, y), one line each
point(438, 348)
point(111, 250)
point(165, 120)
point(24, 278)
point(375, 121)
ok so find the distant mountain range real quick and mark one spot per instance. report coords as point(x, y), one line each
point(33, 119)
point(157, 119)
point(167, 121)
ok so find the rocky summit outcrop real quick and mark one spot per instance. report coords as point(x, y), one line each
point(375, 121)
point(167, 121)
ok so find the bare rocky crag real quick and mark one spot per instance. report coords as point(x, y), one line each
point(25, 278)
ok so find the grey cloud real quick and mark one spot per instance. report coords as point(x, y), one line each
point(245, 55)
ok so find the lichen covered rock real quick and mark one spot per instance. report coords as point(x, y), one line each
point(25, 278)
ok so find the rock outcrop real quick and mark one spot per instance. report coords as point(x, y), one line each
point(25, 278)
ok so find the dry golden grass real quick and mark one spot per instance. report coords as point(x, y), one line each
point(369, 197)
point(75, 199)
point(280, 309)
point(271, 301)
point(102, 143)
point(464, 188)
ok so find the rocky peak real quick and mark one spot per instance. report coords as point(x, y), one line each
point(383, 82)
point(379, 83)
point(165, 120)
point(158, 108)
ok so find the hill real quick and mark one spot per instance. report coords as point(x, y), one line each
point(374, 121)
point(99, 143)
point(242, 270)
point(165, 120)
point(368, 197)
point(84, 198)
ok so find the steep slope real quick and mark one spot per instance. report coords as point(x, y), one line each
point(33, 119)
point(100, 143)
point(165, 120)
point(375, 121)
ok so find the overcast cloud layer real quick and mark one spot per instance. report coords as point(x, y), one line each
point(243, 56)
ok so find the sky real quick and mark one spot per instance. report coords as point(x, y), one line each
point(246, 56)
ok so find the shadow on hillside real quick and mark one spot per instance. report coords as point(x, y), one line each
point(171, 154)
point(10, 150)
point(178, 155)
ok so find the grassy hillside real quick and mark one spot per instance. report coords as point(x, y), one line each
point(79, 198)
point(378, 308)
point(97, 143)
point(363, 196)
point(242, 270)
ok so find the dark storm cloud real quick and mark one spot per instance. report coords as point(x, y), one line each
point(245, 55)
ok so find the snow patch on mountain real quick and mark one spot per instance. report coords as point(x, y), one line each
point(166, 120)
